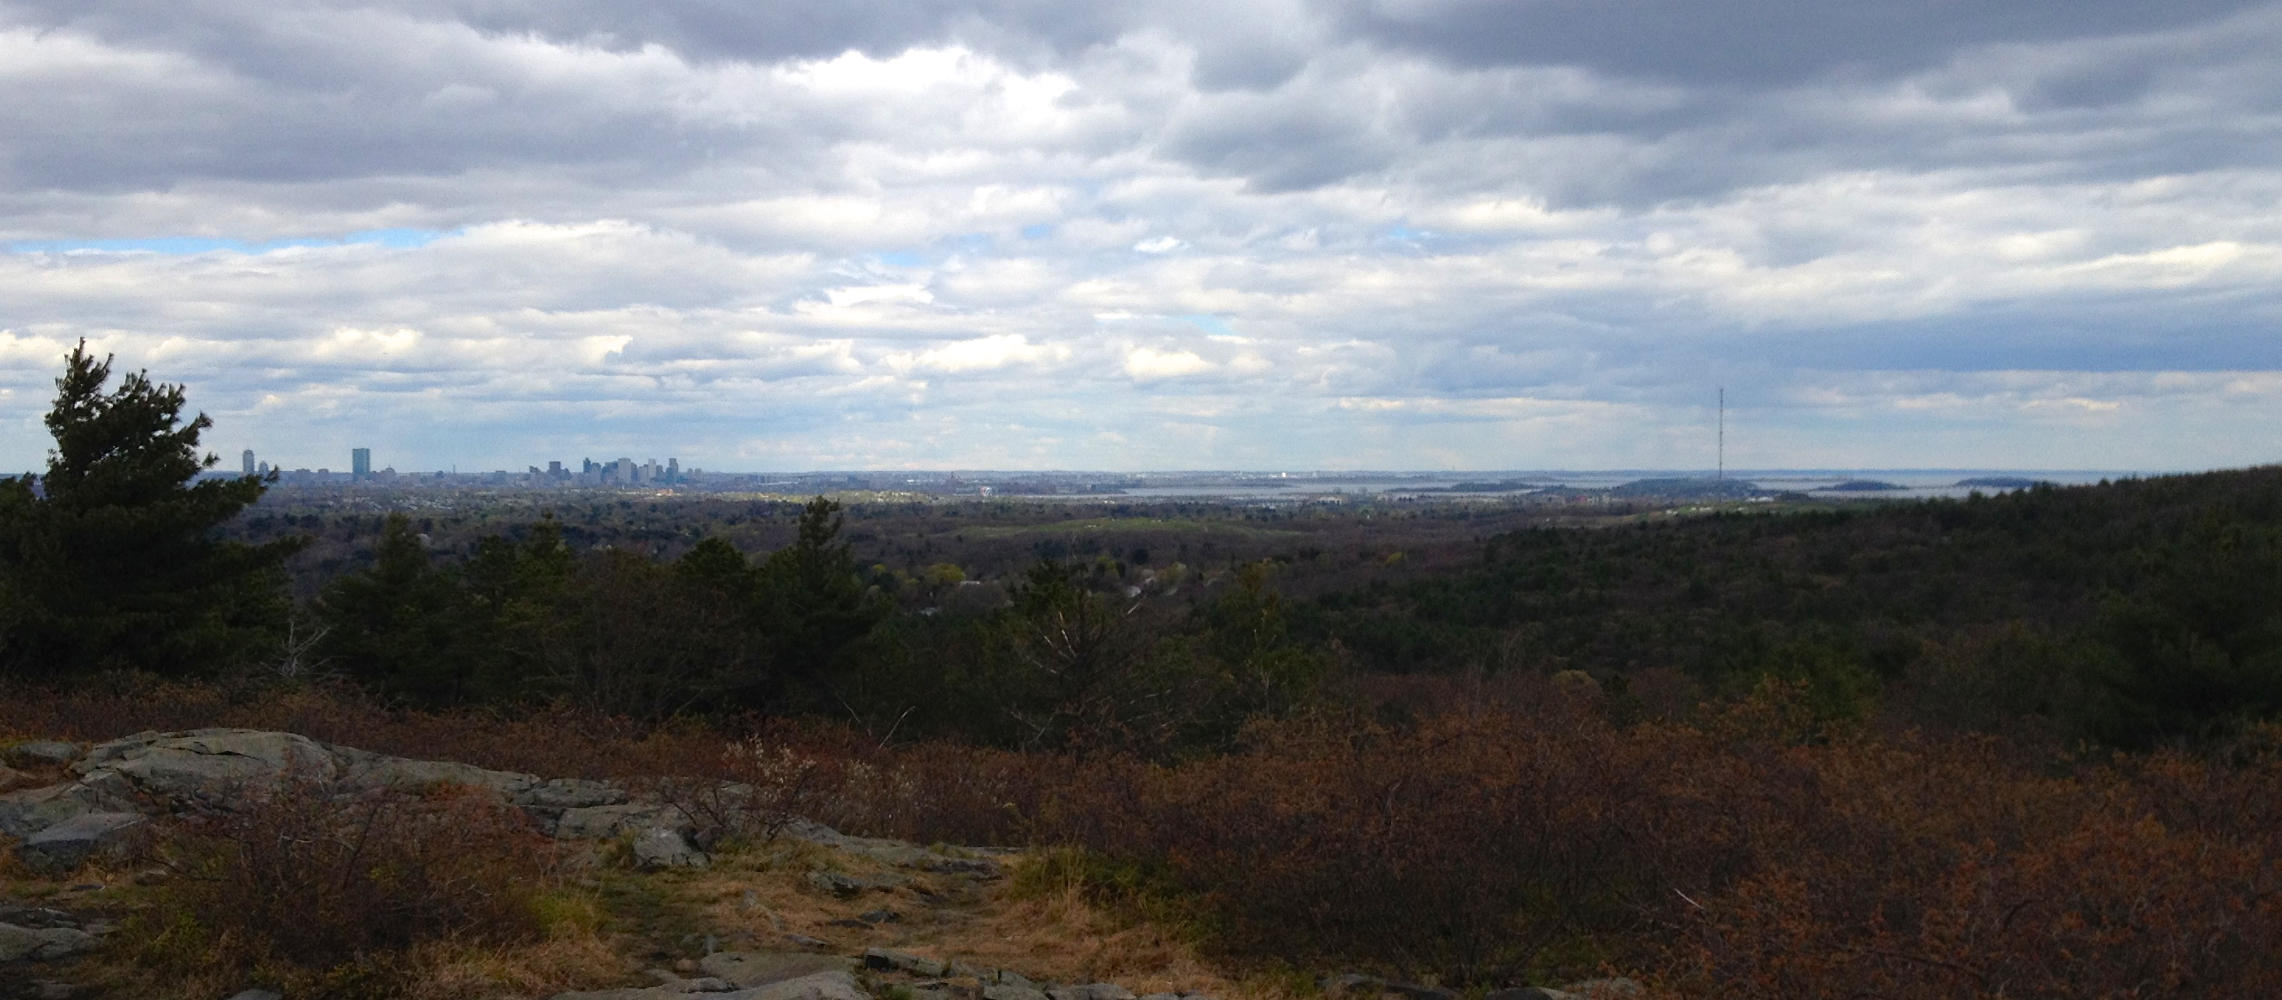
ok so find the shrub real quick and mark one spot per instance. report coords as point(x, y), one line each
point(312, 886)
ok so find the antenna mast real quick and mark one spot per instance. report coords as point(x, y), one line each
point(1722, 474)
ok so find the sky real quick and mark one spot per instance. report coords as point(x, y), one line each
point(1288, 234)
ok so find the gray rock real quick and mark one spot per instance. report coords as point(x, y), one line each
point(804, 941)
point(819, 986)
point(836, 884)
point(42, 944)
point(1010, 991)
point(1527, 993)
point(1615, 988)
point(808, 987)
point(980, 869)
point(41, 753)
point(761, 968)
point(27, 812)
point(61, 847)
point(35, 916)
point(208, 766)
point(11, 778)
point(913, 965)
point(673, 984)
point(1355, 984)
point(605, 821)
point(894, 852)
point(259, 995)
point(1013, 978)
point(364, 769)
point(570, 793)
point(1091, 991)
point(665, 847)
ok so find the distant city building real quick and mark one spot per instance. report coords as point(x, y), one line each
point(673, 470)
point(360, 463)
point(246, 461)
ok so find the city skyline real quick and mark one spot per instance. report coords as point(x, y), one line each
point(671, 469)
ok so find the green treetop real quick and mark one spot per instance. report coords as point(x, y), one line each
point(112, 561)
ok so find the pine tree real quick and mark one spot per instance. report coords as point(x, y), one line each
point(111, 561)
point(815, 606)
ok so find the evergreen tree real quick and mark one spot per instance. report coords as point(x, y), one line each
point(111, 561)
point(814, 606)
point(401, 627)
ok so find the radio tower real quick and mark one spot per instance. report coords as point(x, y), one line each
point(1722, 473)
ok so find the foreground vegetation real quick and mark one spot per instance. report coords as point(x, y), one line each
point(2023, 745)
point(1509, 833)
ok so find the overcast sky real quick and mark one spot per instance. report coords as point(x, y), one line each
point(1411, 234)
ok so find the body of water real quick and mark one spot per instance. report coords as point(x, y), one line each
point(1912, 483)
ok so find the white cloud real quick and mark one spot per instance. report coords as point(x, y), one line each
point(1307, 232)
point(1149, 363)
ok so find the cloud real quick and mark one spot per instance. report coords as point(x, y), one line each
point(1305, 232)
point(1149, 363)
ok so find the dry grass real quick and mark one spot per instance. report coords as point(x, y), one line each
point(1068, 937)
point(573, 961)
point(763, 894)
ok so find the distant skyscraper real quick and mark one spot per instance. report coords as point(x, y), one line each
point(360, 463)
point(246, 461)
point(673, 470)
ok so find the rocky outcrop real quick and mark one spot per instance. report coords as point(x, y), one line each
point(41, 753)
point(61, 847)
point(744, 975)
point(207, 770)
point(820, 986)
point(33, 935)
point(210, 770)
point(42, 944)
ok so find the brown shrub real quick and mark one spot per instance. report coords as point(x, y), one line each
point(1471, 847)
point(1944, 868)
point(1502, 831)
point(310, 884)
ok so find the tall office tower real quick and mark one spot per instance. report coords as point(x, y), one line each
point(673, 470)
point(246, 461)
point(360, 463)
